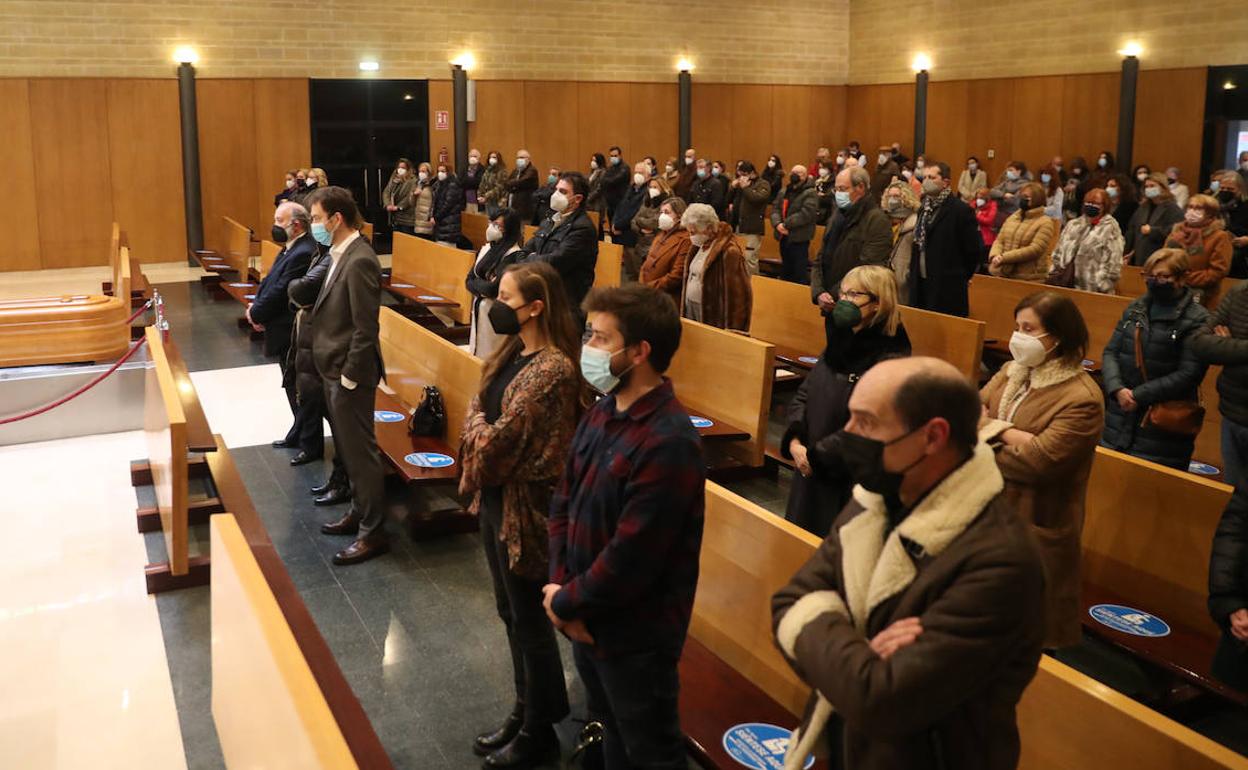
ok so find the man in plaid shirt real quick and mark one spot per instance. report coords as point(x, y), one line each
point(626, 529)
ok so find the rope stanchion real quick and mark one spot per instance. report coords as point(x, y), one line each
point(66, 399)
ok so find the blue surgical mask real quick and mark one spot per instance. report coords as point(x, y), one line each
point(596, 368)
point(715, 172)
point(1046, 178)
point(1214, 186)
point(1011, 175)
point(842, 199)
point(321, 235)
point(550, 179)
point(701, 173)
point(1152, 192)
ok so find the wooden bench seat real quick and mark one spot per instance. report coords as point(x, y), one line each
point(431, 275)
point(396, 444)
point(1147, 537)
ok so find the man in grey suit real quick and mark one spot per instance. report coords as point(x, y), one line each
point(347, 356)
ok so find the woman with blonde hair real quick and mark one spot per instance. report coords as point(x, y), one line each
point(422, 202)
point(515, 441)
point(1202, 236)
point(902, 205)
point(867, 329)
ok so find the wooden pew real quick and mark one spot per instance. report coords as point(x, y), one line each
point(431, 275)
point(769, 261)
point(1147, 537)
point(610, 264)
point(1131, 282)
point(473, 226)
point(416, 357)
point(268, 255)
point(993, 301)
point(726, 378)
point(731, 672)
point(960, 341)
point(267, 649)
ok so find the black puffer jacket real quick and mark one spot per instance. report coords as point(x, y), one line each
point(1228, 589)
point(1231, 352)
point(1174, 372)
point(448, 206)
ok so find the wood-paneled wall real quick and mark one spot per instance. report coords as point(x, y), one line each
point(1033, 118)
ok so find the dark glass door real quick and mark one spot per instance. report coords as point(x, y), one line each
point(360, 128)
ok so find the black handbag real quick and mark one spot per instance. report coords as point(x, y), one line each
point(429, 418)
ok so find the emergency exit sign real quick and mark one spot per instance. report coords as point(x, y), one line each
point(442, 120)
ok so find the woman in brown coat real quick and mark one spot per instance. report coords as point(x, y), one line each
point(1203, 238)
point(515, 441)
point(1043, 417)
point(716, 283)
point(1026, 239)
point(664, 268)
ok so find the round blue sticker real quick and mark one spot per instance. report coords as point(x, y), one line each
point(1088, 363)
point(808, 360)
point(700, 422)
point(1204, 469)
point(760, 746)
point(431, 297)
point(383, 415)
point(429, 460)
point(403, 286)
point(1129, 620)
point(241, 285)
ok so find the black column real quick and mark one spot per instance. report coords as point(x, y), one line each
point(686, 113)
point(190, 159)
point(459, 85)
point(920, 113)
point(1126, 111)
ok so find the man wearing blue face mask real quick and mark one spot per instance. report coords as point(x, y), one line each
point(626, 529)
point(857, 233)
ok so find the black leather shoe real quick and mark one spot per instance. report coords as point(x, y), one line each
point(282, 443)
point(488, 743)
point(361, 550)
point(347, 525)
point(325, 486)
point(334, 496)
point(303, 458)
point(526, 750)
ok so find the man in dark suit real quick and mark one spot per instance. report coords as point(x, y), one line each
point(568, 240)
point(347, 356)
point(272, 314)
point(947, 247)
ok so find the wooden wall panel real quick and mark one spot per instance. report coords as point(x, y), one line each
point(947, 117)
point(600, 118)
point(793, 139)
point(988, 124)
point(712, 120)
point(1036, 133)
point(654, 115)
point(550, 123)
point(827, 117)
point(227, 156)
point(72, 189)
point(1090, 115)
point(145, 159)
point(500, 119)
point(1169, 119)
point(283, 138)
point(752, 128)
point(897, 117)
point(17, 168)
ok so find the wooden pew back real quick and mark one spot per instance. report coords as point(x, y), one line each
point(473, 228)
point(257, 660)
point(440, 269)
point(114, 257)
point(237, 255)
point(769, 248)
point(960, 341)
point(268, 255)
point(164, 424)
point(993, 301)
point(416, 357)
point(610, 264)
point(1150, 529)
point(726, 376)
point(1131, 282)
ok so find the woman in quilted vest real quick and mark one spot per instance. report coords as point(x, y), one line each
point(1026, 239)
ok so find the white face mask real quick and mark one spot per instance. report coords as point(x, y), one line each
point(638, 179)
point(668, 168)
point(655, 192)
point(493, 233)
point(1194, 216)
point(310, 181)
point(907, 173)
point(493, 161)
point(423, 176)
point(840, 160)
point(882, 158)
point(666, 222)
point(558, 202)
point(593, 164)
point(1028, 350)
point(771, 164)
point(1141, 176)
point(979, 202)
point(290, 184)
point(824, 173)
point(400, 172)
point(474, 160)
point(699, 239)
point(522, 162)
point(972, 167)
point(688, 161)
point(441, 176)
point(919, 165)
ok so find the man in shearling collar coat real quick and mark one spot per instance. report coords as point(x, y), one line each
point(919, 621)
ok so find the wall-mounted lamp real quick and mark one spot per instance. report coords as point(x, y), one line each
point(922, 62)
point(369, 65)
point(684, 65)
point(1132, 49)
point(465, 61)
point(185, 55)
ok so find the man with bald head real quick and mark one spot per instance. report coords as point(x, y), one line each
point(919, 621)
point(793, 222)
point(271, 311)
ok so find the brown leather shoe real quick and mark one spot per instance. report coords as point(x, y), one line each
point(361, 550)
point(347, 525)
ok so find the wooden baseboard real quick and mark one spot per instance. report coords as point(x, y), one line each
point(160, 579)
point(197, 513)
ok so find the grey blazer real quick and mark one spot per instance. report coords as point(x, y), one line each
point(344, 319)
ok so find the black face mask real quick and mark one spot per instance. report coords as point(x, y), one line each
point(794, 179)
point(864, 458)
point(279, 234)
point(1226, 196)
point(1162, 292)
point(504, 319)
point(1091, 211)
point(1024, 204)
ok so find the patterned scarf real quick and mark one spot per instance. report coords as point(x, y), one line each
point(931, 204)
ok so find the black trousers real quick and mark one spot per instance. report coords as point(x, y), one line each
point(408, 229)
point(635, 697)
point(795, 259)
point(355, 442)
point(535, 660)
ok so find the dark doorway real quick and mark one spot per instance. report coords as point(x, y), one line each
point(360, 128)
point(1226, 120)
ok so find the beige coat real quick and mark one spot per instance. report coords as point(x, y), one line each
point(1047, 478)
point(1024, 245)
point(422, 198)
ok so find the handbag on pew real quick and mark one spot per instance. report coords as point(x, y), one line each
point(1064, 278)
point(429, 418)
point(1181, 417)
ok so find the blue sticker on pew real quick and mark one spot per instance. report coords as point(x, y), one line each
point(241, 285)
point(700, 422)
point(1129, 620)
point(429, 460)
point(808, 360)
point(760, 746)
point(384, 415)
point(1088, 363)
point(402, 286)
point(431, 297)
point(1203, 469)
point(249, 296)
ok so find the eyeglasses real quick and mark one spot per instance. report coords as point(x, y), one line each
point(853, 295)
